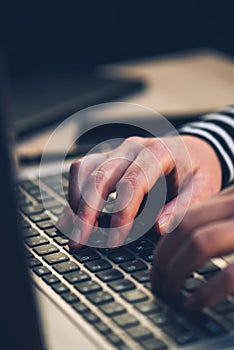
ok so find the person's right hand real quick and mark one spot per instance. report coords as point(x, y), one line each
point(133, 168)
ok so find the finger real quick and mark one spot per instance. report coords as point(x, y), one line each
point(203, 243)
point(79, 171)
point(66, 220)
point(192, 193)
point(210, 293)
point(211, 210)
point(99, 184)
point(139, 178)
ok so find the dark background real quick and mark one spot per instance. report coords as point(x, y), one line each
point(52, 35)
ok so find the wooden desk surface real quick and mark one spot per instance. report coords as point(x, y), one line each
point(194, 82)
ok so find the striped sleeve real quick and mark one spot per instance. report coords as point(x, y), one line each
point(218, 130)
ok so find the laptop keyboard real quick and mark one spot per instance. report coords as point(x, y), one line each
point(111, 288)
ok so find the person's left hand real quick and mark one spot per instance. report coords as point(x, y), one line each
point(206, 231)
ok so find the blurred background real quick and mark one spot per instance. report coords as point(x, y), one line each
point(51, 35)
point(54, 51)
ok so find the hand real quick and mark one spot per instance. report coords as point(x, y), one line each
point(134, 167)
point(205, 232)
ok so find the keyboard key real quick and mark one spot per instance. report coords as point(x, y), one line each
point(139, 333)
point(105, 251)
point(27, 185)
point(149, 307)
point(36, 241)
point(30, 232)
point(57, 211)
point(60, 288)
point(134, 296)
point(91, 317)
point(180, 333)
point(98, 265)
point(120, 255)
point(100, 298)
point(133, 266)
point(123, 347)
point(33, 262)
point(208, 325)
point(126, 321)
point(191, 284)
point(25, 225)
point(76, 277)
point(80, 308)
point(142, 276)
point(28, 254)
point(114, 339)
point(102, 328)
point(121, 286)
point(41, 270)
point(45, 224)
point(153, 344)
point(86, 255)
point(140, 245)
point(61, 240)
point(39, 217)
point(66, 267)
point(70, 298)
point(208, 267)
point(52, 232)
point(110, 275)
point(46, 249)
point(113, 309)
point(161, 319)
point(32, 209)
point(50, 279)
point(88, 287)
point(53, 204)
point(148, 285)
point(223, 306)
point(55, 258)
point(147, 255)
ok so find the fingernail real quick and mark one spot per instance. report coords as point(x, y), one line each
point(113, 239)
point(163, 223)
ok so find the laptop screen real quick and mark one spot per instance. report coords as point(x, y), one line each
point(20, 327)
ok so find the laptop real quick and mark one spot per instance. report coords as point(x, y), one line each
point(92, 298)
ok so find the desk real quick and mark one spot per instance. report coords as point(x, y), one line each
point(189, 83)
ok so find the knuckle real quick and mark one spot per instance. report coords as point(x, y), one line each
point(156, 143)
point(131, 179)
point(133, 139)
point(98, 177)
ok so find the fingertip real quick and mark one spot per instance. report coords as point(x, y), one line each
point(73, 245)
point(163, 223)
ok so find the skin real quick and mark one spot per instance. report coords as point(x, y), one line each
point(132, 169)
point(205, 232)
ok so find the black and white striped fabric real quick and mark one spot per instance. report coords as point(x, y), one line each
point(217, 129)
